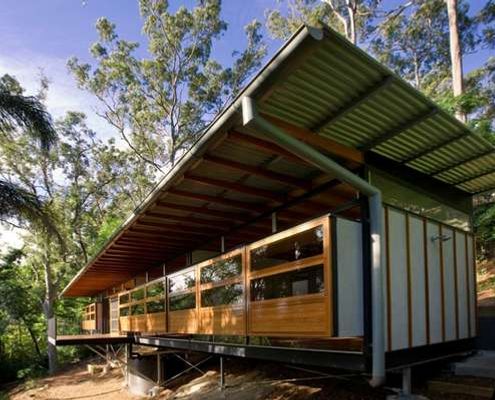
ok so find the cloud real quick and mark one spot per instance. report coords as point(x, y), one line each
point(63, 94)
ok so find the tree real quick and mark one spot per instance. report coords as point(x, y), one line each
point(414, 42)
point(455, 55)
point(79, 183)
point(159, 104)
point(350, 17)
point(486, 18)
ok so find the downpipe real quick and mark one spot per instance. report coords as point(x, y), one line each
point(326, 164)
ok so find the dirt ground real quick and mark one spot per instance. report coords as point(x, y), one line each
point(244, 381)
point(486, 283)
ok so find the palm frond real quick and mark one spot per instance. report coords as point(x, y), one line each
point(27, 112)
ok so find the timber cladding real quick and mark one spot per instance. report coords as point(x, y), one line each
point(89, 317)
point(430, 281)
point(279, 286)
point(289, 280)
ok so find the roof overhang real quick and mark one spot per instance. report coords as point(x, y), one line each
point(322, 90)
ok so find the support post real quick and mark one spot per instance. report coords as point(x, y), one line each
point(274, 222)
point(222, 244)
point(406, 382)
point(222, 374)
point(158, 370)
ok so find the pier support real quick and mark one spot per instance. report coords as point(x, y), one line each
point(222, 374)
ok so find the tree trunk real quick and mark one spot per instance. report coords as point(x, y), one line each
point(351, 11)
point(48, 311)
point(33, 338)
point(455, 55)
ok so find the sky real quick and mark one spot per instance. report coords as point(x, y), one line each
point(41, 35)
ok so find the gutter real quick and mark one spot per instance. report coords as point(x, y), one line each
point(326, 164)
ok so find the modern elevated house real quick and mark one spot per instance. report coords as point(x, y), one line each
point(324, 218)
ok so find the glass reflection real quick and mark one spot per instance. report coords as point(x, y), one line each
point(296, 247)
point(222, 269)
point(182, 282)
point(155, 306)
point(182, 301)
point(287, 284)
point(229, 294)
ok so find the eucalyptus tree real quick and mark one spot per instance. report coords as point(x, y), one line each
point(159, 103)
point(455, 54)
point(415, 43)
point(352, 18)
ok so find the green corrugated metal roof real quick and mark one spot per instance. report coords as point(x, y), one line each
point(344, 94)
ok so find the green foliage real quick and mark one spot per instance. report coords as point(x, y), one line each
point(415, 42)
point(160, 103)
point(283, 21)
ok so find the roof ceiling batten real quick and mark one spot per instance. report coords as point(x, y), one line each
point(192, 220)
point(202, 210)
point(353, 104)
point(218, 200)
point(262, 145)
point(261, 172)
point(238, 187)
point(164, 233)
point(416, 120)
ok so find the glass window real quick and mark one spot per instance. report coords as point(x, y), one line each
point(124, 299)
point(155, 289)
point(404, 197)
point(182, 301)
point(296, 247)
point(229, 294)
point(137, 294)
point(124, 311)
point(222, 269)
point(155, 306)
point(179, 283)
point(137, 309)
point(293, 283)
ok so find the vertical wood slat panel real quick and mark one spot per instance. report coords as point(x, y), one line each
point(472, 286)
point(462, 288)
point(409, 281)
point(449, 294)
point(434, 283)
point(427, 282)
point(456, 287)
point(418, 282)
point(398, 279)
point(388, 300)
point(442, 282)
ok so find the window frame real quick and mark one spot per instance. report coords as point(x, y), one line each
point(238, 279)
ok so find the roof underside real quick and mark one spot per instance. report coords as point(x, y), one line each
point(324, 91)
